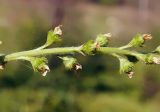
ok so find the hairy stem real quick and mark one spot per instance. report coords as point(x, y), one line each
point(67, 50)
point(31, 53)
point(111, 50)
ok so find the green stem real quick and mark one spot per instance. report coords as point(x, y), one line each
point(67, 50)
point(125, 47)
point(109, 50)
point(31, 53)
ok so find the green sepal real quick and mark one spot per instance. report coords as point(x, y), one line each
point(152, 59)
point(89, 47)
point(137, 41)
point(39, 64)
point(126, 66)
point(102, 40)
point(53, 36)
point(71, 63)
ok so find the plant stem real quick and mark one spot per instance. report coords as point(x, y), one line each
point(66, 50)
point(31, 53)
point(111, 50)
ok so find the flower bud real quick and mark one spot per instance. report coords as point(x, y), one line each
point(102, 40)
point(89, 47)
point(53, 36)
point(152, 59)
point(71, 63)
point(126, 67)
point(40, 65)
point(139, 40)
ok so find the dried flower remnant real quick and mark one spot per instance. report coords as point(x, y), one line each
point(130, 74)
point(147, 36)
point(53, 36)
point(156, 60)
point(44, 70)
point(40, 64)
point(58, 30)
point(78, 67)
point(1, 67)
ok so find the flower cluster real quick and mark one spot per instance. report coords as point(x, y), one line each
point(126, 57)
point(92, 45)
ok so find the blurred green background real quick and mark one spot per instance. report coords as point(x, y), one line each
point(98, 87)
